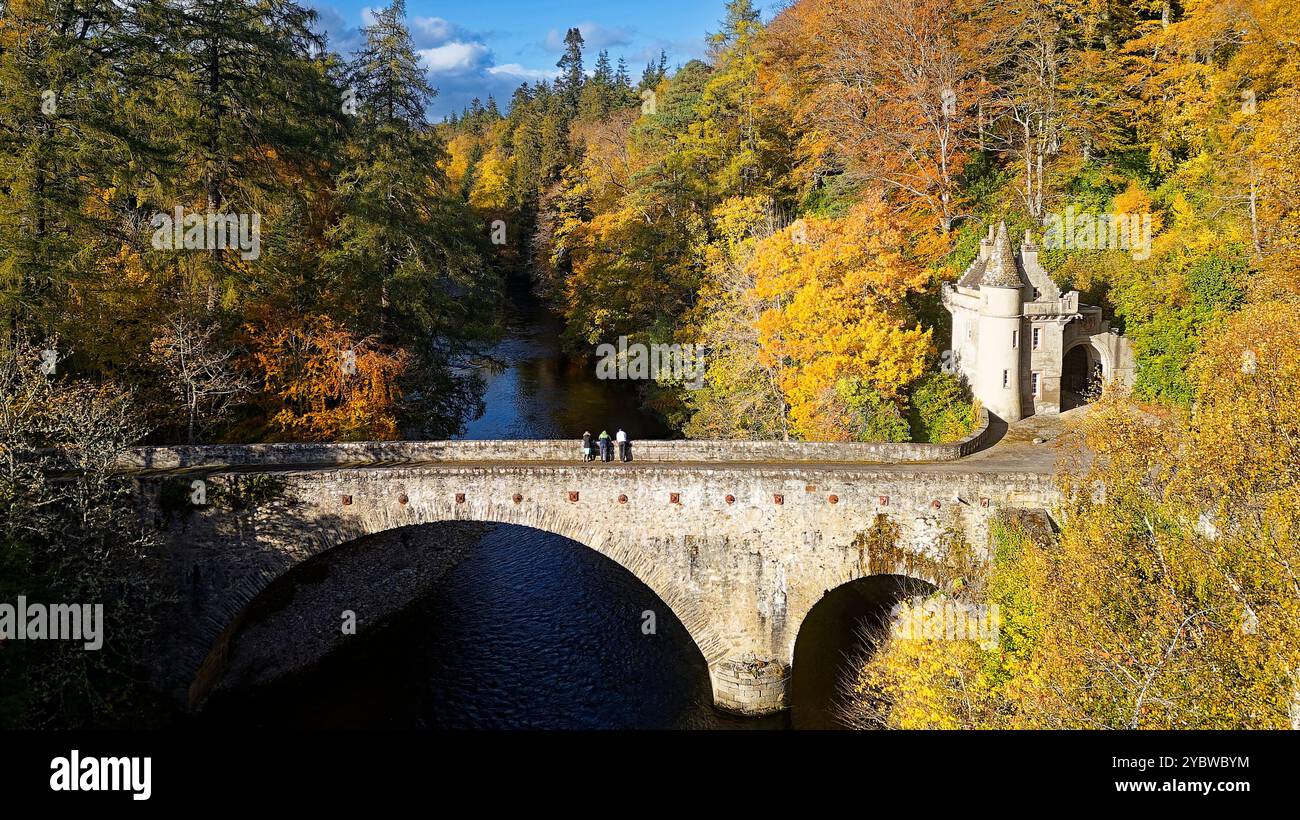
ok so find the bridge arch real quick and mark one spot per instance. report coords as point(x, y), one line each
point(215, 642)
point(740, 552)
point(836, 634)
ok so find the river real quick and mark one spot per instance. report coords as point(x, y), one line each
point(532, 630)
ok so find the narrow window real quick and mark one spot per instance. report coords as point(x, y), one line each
point(1015, 339)
point(1038, 337)
point(1034, 384)
point(1006, 378)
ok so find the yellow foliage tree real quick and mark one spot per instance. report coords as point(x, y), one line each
point(1171, 598)
point(741, 396)
point(491, 188)
point(838, 287)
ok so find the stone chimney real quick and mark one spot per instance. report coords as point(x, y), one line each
point(1029, 251)
point(986, 244)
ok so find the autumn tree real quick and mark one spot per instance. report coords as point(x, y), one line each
point(898, 90)
point(63, 67)
point(741, 396)
point(319, 382)
point(1169, 598)
point(839, 312)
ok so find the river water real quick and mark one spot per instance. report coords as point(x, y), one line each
point(532, 630)
point(544, 394)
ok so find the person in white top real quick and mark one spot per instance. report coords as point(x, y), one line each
point(621, 438)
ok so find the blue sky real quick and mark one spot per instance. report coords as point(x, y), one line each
point(473, 49)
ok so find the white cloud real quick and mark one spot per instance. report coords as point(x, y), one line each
point(427, 32)
point(455, 57)
point(459, 62)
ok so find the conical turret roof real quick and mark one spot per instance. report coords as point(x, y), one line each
point(1001, 270)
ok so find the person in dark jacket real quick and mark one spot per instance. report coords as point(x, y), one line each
point(588, 454)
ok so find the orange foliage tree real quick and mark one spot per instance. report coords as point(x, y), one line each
point(891, 87)
point(320, 383)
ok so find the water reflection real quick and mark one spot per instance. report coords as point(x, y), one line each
point(531, 631)
point(544, 394)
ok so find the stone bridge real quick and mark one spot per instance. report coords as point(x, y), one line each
point(739, 539)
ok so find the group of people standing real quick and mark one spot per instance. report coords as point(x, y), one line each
point(604, 446)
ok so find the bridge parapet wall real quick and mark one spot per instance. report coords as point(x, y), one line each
point(290, 456)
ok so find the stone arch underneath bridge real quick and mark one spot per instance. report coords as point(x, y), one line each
point(549, 520)
point(850, 612)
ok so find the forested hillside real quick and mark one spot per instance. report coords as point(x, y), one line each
point(211, 228)
point(793, 203)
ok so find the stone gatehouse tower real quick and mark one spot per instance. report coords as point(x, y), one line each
point(1022, 345)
